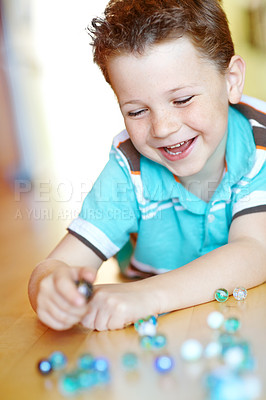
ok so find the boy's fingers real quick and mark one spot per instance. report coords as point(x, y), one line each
point(64, 305)
point(115, 322)
point(61, 316)
point(101, 321)
point(89, 319)
point(49, 292)
point(65, 286)
point(48, 320)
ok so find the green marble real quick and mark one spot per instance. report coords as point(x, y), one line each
point(221, 295)
point(231, 325)
point(130, 361)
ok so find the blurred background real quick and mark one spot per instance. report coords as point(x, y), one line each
point(57, 114)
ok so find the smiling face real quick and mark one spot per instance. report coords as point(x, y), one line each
point(175, 105)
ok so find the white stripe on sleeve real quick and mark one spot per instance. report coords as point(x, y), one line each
point(254, 199)
point(95, 236)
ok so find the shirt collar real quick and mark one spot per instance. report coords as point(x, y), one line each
point(240, 148)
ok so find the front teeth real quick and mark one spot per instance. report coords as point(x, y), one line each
point(176, 145)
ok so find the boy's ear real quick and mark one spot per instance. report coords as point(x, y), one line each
point(235, 77)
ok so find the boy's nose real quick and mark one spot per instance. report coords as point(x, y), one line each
point(164, 125)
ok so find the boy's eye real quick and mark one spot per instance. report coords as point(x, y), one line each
point(136, 113)
point(183, 101)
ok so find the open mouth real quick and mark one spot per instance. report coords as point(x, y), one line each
point(178, 150)
point(179, 147)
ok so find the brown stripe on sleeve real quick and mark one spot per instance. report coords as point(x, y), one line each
point(131, 154)
point(259, 136)
point(250, 210)
point(251, 113)
point(88, 244)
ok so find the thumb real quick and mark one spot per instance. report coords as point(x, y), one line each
point(89, 274)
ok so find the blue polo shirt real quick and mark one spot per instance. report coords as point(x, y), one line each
point(140, 212)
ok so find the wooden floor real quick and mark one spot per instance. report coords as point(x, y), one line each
point(23, 340)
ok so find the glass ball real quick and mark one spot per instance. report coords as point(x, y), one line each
point(221, 295)
point(101, 364)
point(85, 288)
point(231, 325)
point(215, 320)
point(240, 293)
point(85, 361)
point(234, 356)
point(164, 364)
point(191, 350)
point(146, 326)
point(87, 379)
point(45, 366)
point(159, 341)
point(129, 361)
point(69, 383)
point(212, 350)
point(58, 360)
point(146, 342)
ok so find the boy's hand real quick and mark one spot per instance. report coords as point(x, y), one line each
point(113, 306)
point(59, 303)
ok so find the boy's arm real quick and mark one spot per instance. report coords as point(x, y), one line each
point(241, 262)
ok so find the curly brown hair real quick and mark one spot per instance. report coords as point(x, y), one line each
point(131, 26)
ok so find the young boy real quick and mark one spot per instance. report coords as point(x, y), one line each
point(182, 200)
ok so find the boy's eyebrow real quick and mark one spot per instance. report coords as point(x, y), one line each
point(130, 102)
point(180, 88)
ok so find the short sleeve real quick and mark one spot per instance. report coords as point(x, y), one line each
point(250, 191)
point(109, 212)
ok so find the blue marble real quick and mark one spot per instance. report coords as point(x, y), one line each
point(85, 361)
point(101, 364)
point(164, 364)
point(58, 360)
point(159, 341)
point(146, 342)
point(45, 367)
